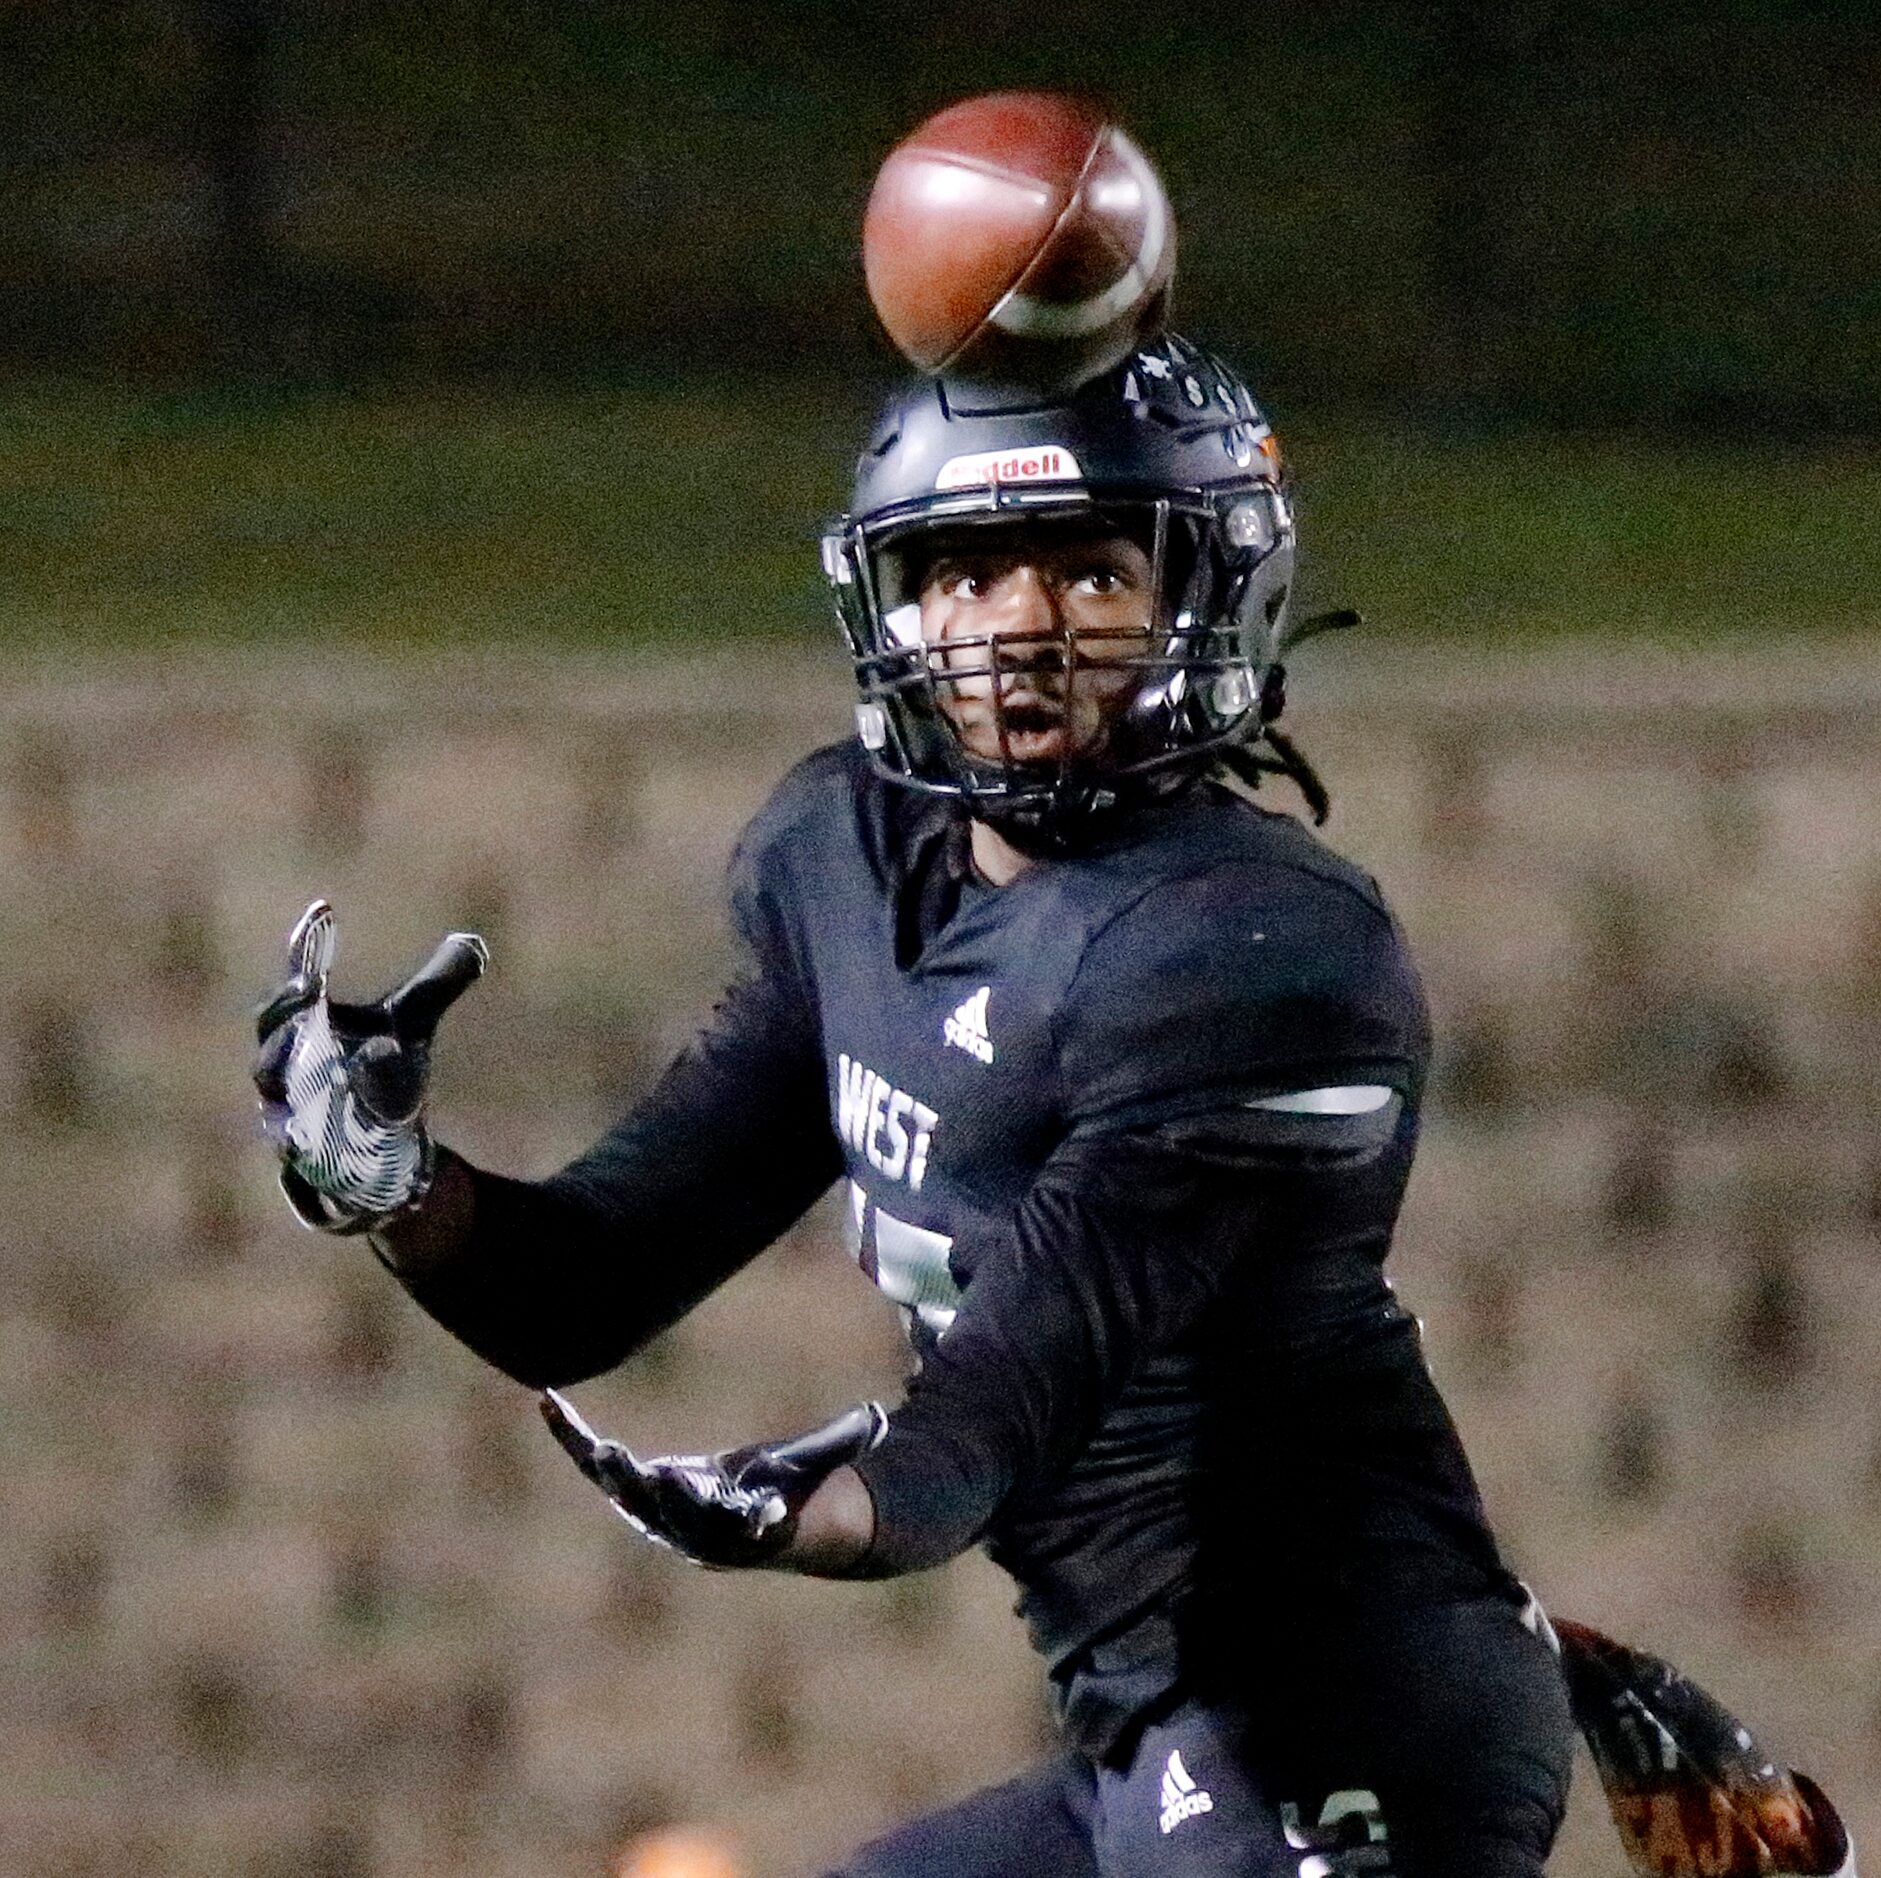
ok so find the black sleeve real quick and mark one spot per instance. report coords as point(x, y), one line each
point(564, 1277)
point(1119, 1247)
point(1220, 991)
point(1117, 1241)
point(1235, 982)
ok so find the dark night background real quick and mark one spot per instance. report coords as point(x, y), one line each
point(1599, 214)
point(458, 322)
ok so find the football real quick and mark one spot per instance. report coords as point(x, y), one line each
point(1019, 236)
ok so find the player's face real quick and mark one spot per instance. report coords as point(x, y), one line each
point(1038, 633)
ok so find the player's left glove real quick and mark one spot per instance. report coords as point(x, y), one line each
point(726, 1510)
point(342, 1086)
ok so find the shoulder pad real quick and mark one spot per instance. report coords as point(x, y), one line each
point(1242, 981)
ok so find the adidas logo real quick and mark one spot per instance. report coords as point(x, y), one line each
point(1181, 1797)
point(966, 1029)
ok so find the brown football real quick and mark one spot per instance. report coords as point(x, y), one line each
point(1019, 236)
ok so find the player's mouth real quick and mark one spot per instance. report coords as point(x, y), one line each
point(1038, 718)
point(1024, 728)
point(1036, 730)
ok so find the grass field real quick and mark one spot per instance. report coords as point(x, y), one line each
point(687, 513)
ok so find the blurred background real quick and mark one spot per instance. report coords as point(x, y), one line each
point(413, 429)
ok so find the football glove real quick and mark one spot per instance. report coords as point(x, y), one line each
point(728, 1510)
point(1692, 1792)
point(342, 1086)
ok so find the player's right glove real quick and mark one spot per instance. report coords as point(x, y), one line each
point(342, 1086)
point(727, 1510)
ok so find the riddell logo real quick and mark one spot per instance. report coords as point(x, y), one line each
point(1043, 463)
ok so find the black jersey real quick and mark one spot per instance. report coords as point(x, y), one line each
point(1125, 1139)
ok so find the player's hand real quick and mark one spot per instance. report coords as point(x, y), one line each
point(726, 1510)
point(342, 1086)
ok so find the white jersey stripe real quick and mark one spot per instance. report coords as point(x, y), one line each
point(1352, 1099)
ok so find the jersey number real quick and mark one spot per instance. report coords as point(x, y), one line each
point(1330, 1848)
point(907, 1263)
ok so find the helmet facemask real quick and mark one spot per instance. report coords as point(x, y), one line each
point(1139, 709)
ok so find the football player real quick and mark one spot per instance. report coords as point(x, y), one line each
point(1123, 1071)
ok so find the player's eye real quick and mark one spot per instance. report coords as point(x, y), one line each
point(1104, 579)
point(964, 583)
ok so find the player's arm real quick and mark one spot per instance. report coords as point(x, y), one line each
point(1123, 1242)
point(1044, 1338)
point(1270, 1108)
point(1124, 1245)
point(555, 1279)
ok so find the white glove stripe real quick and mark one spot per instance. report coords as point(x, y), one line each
point(359, 1163)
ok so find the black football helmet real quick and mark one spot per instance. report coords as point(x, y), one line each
point(1169, 448)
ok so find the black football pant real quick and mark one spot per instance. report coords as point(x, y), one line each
point(1440, 1755)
